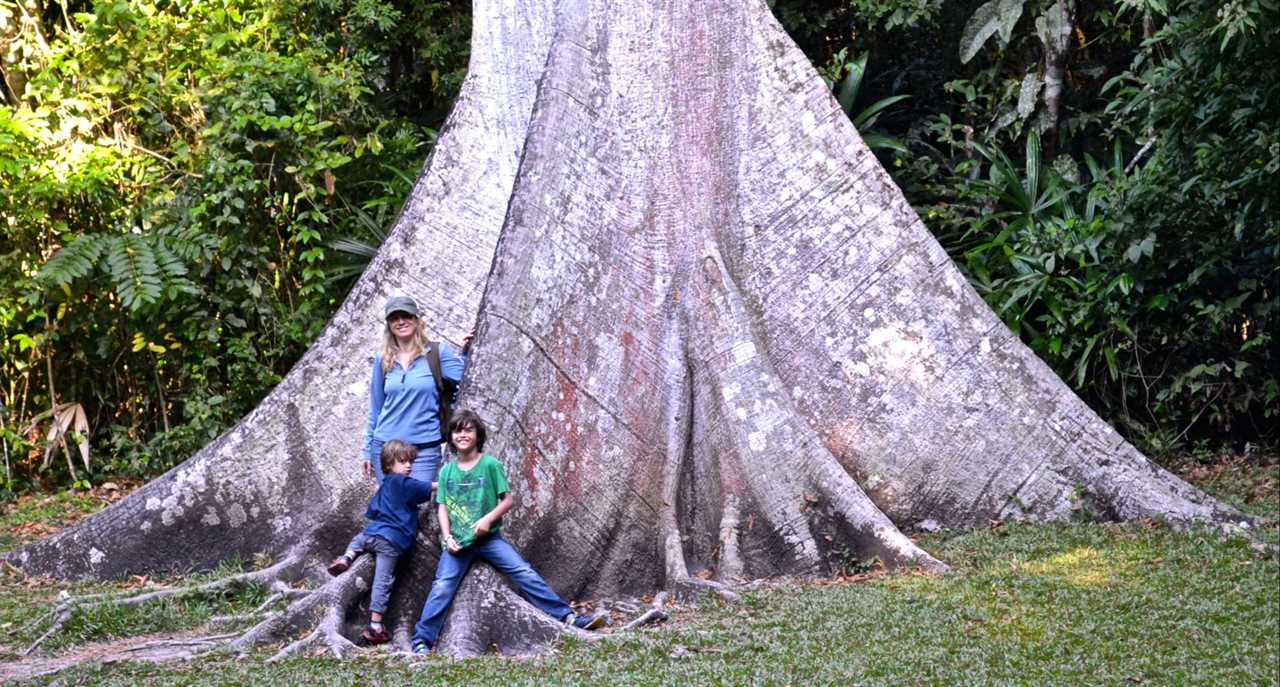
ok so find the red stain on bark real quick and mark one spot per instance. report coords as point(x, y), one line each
point(567, 406)
point(529, 466)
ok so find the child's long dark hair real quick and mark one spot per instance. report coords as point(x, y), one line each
point(467, 419)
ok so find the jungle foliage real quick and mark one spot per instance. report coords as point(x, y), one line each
point(171, 176)
point(187, 188)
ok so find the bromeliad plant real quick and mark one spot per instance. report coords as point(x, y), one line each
point(1047, 259)
point(846, 76)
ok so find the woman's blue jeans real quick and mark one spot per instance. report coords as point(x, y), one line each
point(495, 551)
point(425, 466)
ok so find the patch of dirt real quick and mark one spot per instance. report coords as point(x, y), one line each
point(1254, 478)
point(154, 648)
point(67, 514)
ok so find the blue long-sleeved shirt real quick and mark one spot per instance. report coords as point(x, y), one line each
point(405, 404)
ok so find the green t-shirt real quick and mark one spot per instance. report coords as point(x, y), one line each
point(470, 494)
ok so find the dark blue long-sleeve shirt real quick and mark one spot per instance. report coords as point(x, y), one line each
point(393, 511)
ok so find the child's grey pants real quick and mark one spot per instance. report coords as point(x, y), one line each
point(384, 571)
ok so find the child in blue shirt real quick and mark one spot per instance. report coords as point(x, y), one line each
point(393, 524)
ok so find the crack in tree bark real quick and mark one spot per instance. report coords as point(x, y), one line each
point(577, 384)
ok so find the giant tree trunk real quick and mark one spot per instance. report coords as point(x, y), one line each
point(714, 342)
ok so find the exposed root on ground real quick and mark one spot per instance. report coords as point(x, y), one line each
point(280, 591)
point(656, 614)
point(687, 589)
point(327, 634)
point(320, 610)
point(488, 617)
point(846, 500)
point(64, 611)
point(151, 648)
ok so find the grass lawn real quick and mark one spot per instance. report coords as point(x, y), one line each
point(1070, 604)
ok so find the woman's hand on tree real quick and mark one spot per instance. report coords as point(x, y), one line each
point(466, 340)
point(366, 467)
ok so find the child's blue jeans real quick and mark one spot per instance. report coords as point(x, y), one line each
point(495, 551)
point(384, 569)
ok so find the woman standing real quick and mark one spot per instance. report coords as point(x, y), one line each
point(404, 399)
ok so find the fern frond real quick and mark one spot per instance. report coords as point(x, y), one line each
point(132, 266)
point(73, 261)
point(173, 270)
point(170, 264)
point(189, 242)
point(141, 268)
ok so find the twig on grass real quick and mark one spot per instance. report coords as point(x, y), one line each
point(193, 641)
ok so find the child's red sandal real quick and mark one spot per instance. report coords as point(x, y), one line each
point(339, 565)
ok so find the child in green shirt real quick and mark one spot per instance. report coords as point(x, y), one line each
point(472, 495)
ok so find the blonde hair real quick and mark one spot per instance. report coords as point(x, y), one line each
point(391, 346)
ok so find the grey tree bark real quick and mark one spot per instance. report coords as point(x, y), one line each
point(715, 343)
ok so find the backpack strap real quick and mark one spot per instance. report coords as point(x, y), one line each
point(444, 390)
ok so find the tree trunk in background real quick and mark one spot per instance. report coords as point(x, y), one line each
point(714, 342)
point(1054, 28)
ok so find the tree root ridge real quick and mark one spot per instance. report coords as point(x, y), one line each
point(327, 634)
point(655, 614)
point(690, 589)
point(321, 609)
point(488, 617)
point(64, 611)
point(773, 453)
